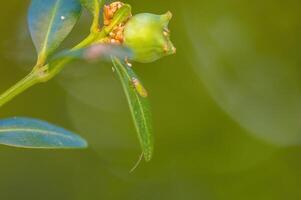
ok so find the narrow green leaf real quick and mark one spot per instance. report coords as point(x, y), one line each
point(50, 22)
point(121, 15)
point(32, 133)
point(139, 105)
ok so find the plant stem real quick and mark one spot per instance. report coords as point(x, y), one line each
point(37, 75)
point(19, 87)
point(44, 73)
point(86, 42)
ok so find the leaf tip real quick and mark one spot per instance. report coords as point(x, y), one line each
point(84, 144)
point(148, 155)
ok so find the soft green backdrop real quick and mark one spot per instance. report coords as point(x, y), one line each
point(226, 109)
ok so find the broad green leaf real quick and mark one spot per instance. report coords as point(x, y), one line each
point(50, 22)
point(32, 133)
point(139, 105)
point(94, 53)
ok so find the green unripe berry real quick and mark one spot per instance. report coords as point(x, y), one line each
point(147, 35)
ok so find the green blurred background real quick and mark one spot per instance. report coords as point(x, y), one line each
point(226, 110)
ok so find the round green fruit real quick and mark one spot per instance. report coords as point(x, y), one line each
point(147, 35)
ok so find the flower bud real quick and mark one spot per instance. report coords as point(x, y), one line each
point(147, 35)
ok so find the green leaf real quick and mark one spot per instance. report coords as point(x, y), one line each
point(32, 133)
point(50, 22)
point(121, 16)
point(139, 105)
